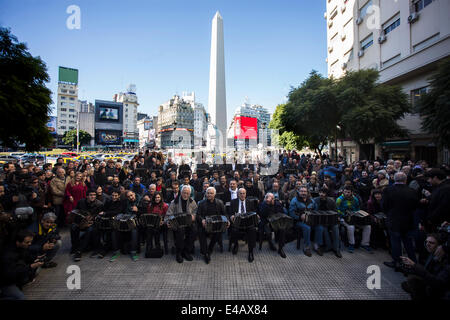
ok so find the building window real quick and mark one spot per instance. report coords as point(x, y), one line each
point(72, 91)
point(419, 5)
point(392, 26)
point(416, 95)
point(363, 10)
point(63, 109)
point(72, 98)
point(62, 121)
point(367, 42)
point(63, 115)
point(71, 128)
point(63, 127)
point(63, 98)
point(64, 91)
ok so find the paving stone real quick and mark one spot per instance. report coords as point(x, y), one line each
point(227, 277)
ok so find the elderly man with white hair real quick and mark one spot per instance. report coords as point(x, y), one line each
point(184, 237)
point(209, 207)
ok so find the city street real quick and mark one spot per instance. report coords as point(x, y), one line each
point(226, 277)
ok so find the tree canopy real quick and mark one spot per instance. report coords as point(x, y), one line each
point(70, 137)
point(434, 106)
point(355, 106)
point(24, 98)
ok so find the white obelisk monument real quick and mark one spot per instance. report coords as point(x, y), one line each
point(217, 102)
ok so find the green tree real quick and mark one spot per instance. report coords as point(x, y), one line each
point(24, 98)
point(312, 112)
point(370, 110)
point(287, 139)
point(434, 107)
point(70, 137)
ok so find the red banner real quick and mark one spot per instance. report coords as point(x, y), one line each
point(245, 128)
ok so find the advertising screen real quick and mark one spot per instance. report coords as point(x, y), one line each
point(109, 137)
point(51, 125)
point(245, 128)
point(148, 124)
point(108, 113)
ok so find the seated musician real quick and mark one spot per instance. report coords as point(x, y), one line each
point(184, 237)
point(238, 206)
point(158, 207)
point(81, 242)
point(347, 202)
point(130, 207)
point(299, 204)
point(266, 209)
point(209, 207)
point(325, 203)
point(111, 208)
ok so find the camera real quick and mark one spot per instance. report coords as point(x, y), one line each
point(53, 236)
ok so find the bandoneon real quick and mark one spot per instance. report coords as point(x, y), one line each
point(246, 220)
point(359, 218)
point(380, 218)
point(79, 216)
point(104, 223)
point(124, 222)
point(280, 221)
point(216, 224)
point(179, 221)
point(149, 220)
point(321, 217)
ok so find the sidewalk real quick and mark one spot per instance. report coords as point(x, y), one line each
point(226, 277)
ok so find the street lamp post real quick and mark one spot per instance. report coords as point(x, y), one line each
point(78, 129)
point(173, 138)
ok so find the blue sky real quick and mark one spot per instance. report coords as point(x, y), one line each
point(163, 46)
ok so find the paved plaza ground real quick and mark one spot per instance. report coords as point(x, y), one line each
point(227, 277)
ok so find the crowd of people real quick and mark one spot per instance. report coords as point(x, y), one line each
point(405, 207)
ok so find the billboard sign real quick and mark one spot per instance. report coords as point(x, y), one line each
point(68, 75)
point(109, 137)
point(51, 125)
point(245, 128)
point(148, 124)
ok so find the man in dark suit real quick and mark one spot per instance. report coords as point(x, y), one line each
point(209, 207)
point(399, 204)
point(238, 206)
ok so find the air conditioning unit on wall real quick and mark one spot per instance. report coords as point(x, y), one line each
point(382, 39)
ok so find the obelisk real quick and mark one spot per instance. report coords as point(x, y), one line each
point(217, 103)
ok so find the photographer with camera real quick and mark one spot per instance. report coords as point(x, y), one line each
point(431, 280)
point(47, 239)
point(18, 266)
